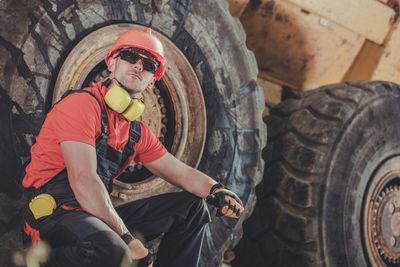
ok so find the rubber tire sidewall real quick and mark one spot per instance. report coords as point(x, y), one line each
point(370, 139)
point(211, 40)
point(324, 148)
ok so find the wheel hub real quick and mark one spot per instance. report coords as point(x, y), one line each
point(381, 217)
point(386, 224)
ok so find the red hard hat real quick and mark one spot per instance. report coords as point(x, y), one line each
point(144, 39)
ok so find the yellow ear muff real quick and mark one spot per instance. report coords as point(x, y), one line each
point(119, 100)
point(135, 110)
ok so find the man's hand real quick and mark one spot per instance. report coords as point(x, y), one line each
point(139, 252)
point(227, 202)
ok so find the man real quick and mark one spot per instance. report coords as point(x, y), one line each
point(89, 138)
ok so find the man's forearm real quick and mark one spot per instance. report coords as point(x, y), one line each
point(178, 173)
point(94, 199)
point(196, 182)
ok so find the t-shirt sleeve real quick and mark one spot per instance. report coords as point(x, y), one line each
point(148, 148)
point(76, 118)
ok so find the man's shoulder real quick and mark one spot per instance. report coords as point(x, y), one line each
point(149, 147)
point(144, 128)
point(87, 97)
point(147, 134)
point(79, 103)
point(97, 93)
point(97, 90)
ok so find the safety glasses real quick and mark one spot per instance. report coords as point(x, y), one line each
point(133, 55)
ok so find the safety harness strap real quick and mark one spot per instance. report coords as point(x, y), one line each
point(109, 161)
point(134, 136)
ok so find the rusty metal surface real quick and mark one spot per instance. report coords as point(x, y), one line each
point(354, 15)
point(387, 223)
point(237, 7)
point(388, 66)
point(297, 48)
point(182, 88)
point(382, 215)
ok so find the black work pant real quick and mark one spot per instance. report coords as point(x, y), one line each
point(80, 239)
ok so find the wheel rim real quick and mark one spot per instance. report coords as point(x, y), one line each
point(175, 109)
point(382, 215)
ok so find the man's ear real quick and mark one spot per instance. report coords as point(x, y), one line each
point(111, 64)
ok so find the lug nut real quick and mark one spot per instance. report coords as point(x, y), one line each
point(393, 241)
point(131, 168)
point(392, 208)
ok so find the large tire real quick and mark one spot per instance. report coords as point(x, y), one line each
point(42, 33)
point(331, 189)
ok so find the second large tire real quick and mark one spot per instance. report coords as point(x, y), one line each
point(331, 189)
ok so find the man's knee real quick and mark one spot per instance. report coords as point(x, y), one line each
point(197, 208)
point(103, 248)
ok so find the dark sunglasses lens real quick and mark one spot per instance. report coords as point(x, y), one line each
point(129, 56)
point(133, 57)
point(149, 65)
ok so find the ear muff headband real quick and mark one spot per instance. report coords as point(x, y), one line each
point(119, 100)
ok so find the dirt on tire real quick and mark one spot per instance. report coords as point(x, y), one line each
point(42, 34)
point(324, 149)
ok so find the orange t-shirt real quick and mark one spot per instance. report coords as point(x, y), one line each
point(78, 118)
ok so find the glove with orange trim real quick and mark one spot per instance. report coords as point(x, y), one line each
point(227, 202)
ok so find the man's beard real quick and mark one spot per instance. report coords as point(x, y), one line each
point(130, 90)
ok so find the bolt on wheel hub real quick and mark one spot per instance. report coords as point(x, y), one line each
point(381, 210)
point(386, 224)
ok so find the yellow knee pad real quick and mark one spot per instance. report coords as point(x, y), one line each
point(42, 205)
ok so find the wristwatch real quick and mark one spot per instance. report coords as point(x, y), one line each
point(127, 237)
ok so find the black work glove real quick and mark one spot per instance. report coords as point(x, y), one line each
point(227, 203)
point(144, 262)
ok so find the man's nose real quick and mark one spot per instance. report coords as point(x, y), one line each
point(138, 65)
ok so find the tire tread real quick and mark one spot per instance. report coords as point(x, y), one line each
point(288, 206)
